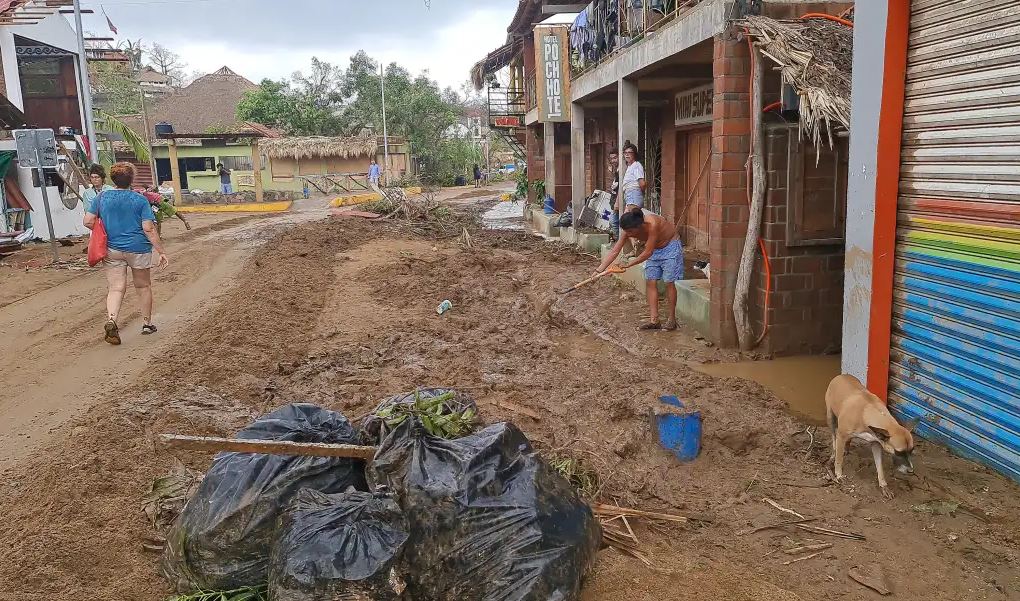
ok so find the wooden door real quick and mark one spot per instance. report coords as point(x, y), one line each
point(694, 193)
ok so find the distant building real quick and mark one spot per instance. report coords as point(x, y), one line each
point(153, 83)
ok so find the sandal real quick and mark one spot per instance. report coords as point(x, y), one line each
point(670, 326)
point(652, 325)
point(148, 329)
point(112, 332)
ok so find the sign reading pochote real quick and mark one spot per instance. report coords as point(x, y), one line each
point(553, 76)
point(694, 106)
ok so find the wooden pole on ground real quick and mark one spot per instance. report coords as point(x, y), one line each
point(256, 163)
point(175, 173)
point(268, 447)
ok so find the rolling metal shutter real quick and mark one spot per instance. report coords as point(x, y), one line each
point(955, 358)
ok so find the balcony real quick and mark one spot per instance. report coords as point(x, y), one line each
point(607, 27)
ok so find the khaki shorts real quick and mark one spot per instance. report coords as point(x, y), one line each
point(120, 259)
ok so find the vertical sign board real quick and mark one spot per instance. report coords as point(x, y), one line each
point(694, 106)
point(552, 79)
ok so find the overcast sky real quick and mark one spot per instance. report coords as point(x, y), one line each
point(273, 38)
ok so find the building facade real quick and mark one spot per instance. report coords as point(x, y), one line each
point(39, 76)
point(675, 80)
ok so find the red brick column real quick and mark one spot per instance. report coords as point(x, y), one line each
point(728, 208)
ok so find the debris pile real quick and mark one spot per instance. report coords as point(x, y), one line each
point(441, 512)
point(422, 213)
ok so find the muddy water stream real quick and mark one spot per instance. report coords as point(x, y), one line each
point(800, 381)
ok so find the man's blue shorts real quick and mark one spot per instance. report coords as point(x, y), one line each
point(666, 263)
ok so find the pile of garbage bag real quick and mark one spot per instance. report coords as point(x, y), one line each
point(430, 518)
point(220, 539)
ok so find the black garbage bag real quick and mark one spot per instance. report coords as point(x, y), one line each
point(375, 428)
point(222, 538)
point(342, 546)
point(488, 519)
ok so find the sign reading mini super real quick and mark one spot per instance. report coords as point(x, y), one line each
point(553, 81)
point(694, 106)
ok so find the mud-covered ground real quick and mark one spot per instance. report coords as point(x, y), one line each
point(342, 313)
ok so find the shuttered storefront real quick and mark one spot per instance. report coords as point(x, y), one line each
point(955, 358)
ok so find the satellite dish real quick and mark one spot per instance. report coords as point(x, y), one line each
point(71, 184)
point(70, 199)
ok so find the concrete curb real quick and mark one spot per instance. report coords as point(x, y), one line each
point(243, 207)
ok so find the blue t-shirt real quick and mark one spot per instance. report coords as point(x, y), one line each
point(373, 171)
point(123, 212)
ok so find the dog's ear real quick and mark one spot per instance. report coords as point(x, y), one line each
point(882, 435)
point(911, 424)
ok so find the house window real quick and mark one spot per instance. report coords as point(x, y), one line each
point(237, 163)
point(816, 200)
point(192, 164)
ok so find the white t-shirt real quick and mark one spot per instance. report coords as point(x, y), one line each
point(635, 172)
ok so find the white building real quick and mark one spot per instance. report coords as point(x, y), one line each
point(39, 75)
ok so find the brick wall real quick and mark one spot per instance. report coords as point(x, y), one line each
point(728, 210)
point(806, 302)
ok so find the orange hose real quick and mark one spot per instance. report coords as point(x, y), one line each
point(775, 105)
point(829, 17)
point(747, 177)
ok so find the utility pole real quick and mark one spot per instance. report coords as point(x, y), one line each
point(86, 86)
point(386, 138)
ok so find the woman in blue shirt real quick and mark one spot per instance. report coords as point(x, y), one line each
point(97, 177)
point(131, 230)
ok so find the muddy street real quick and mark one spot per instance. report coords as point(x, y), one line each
point(342, 313)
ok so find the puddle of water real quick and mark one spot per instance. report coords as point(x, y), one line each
point(800, 381)
point(504, 216)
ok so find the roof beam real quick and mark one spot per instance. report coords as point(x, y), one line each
point(559, 9)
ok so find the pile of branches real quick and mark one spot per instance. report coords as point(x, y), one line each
point(815, 57)
point(422, 213)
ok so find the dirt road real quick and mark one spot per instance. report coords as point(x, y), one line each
point(341, 312)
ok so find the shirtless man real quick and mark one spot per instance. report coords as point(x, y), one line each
point(665, 260)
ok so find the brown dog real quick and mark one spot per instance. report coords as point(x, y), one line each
point(856, 413)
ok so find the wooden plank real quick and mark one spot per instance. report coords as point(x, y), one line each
point(268, 447)
point(175, 174)
point(559, 9)
point(256, 163)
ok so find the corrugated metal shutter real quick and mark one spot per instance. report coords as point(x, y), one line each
point(956, 311)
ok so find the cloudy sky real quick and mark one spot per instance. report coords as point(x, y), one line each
point(273, 38)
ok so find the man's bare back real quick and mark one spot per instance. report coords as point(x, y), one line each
point(655, 229)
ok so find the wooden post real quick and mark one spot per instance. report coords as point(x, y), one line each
point(175, 173)
point(256, 163)
point(741, 314)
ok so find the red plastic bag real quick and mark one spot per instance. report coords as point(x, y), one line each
point(97, 244)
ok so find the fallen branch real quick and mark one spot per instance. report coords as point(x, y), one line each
point(269, 447)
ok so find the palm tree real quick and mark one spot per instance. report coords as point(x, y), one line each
point(110, 124)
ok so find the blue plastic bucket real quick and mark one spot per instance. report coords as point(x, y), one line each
point(679, 431)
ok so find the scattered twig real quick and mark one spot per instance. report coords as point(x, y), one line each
point(806, 557)
point(819, 530)
point(602, 509)
point(781, 508)
point(807, 548)
point(878, 587)
point(776, 525)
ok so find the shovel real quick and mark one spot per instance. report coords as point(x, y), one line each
point(611, 270)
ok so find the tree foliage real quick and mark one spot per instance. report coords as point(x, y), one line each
point(330, 100)
point(114, 88)
point(167, 62)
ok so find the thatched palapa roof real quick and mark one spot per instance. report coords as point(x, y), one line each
point(320, 147)
point(815, 57)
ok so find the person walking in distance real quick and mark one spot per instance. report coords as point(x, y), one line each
point(373, 174)
point(133, 244)
point(97, 177)
point(225, 186)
